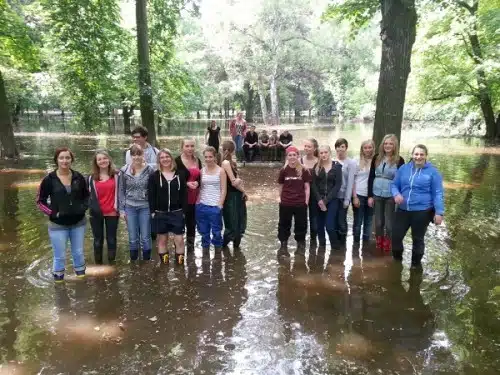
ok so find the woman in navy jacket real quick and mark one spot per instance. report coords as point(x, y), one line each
point(418, 190)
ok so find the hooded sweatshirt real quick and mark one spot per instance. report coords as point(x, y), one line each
point(133, 190)
point(421, 188)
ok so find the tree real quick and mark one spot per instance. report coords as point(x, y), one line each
point(398, 33)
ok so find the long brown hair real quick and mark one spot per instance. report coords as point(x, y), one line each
point(381, 153)
point(95, 168)
point(362, 159)
point(228, 148)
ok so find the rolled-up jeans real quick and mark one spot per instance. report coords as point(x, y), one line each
point(59, 239)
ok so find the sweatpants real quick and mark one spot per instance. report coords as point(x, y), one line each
point(286, 215)
point(418, 221)
point(209, 220)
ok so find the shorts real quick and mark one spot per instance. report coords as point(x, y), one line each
point(168, 222)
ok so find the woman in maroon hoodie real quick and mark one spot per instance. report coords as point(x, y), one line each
point(103, 186)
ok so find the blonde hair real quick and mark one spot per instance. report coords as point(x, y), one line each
point(362, 159)
point(95, 168)
point(169, 153)
point(395, 154)
point(319, 164)
point(298, 167)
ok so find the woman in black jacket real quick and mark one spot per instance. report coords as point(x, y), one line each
point(68, 194)
point(167, 195)
point(326, 183)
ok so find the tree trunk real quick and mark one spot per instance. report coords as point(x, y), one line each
point(145, 89)
point(209, 112)
point(127, 114)
point(263, 105)
point(398, 31)
point(7, 141)
point(275, 116)
point(250, 103)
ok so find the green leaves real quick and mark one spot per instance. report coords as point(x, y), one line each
point(358, 12)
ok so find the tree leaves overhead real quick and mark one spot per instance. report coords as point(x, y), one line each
point(358, 12)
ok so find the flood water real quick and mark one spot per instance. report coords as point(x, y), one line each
point(246, 313)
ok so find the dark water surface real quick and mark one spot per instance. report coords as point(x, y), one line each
point(245, 313)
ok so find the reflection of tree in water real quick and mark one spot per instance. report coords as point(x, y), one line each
point(374, 321)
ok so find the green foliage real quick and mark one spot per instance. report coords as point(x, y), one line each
point(358, 12)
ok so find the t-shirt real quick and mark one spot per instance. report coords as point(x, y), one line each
point(264, 138)
point(361, 179)
point(285, 139)
point(293, 193)
point(106, 195)
point(251, 137)
point(273, 139)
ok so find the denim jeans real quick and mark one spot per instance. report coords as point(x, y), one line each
point(328, 219)
point(341, 218)
point(238, 141)
point(139, 231)
point(363, 215)
point(209, 219)
point(59, 239)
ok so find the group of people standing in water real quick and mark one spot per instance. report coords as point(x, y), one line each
point(158, 194)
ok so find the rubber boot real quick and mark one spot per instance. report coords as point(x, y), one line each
point(397, 256)
point(163, 257)
point(111, 256)
point(283, 251)
point(237, 242)
point(146, 254)
point(416, 260)
point(387, 245)
point(179, 259)
point(134, 255)
point(218, 252)
point(313, 239)
point(190, 244)
point(380, 242)
point(98, 256)
point(301, 248)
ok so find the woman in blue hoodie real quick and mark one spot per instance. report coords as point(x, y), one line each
point(418, 190)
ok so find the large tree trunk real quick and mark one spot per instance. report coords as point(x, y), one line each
point(127, 114)
point(483, 85)
point(145, 89)
point(263, 105)
point(398, 31)
point(250, 103)
point(275, 116)
point(7, 141)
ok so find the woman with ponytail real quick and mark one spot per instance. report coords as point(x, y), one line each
point(234, 211)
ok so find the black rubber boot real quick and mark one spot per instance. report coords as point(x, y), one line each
point(416, 260)
point(190, 244)
point(98, 256)
point(301, 248)
point(283, 251)
point(237, 242)
point(111, 256)
point(398, 256)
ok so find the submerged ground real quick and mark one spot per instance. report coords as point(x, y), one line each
point(246, 313)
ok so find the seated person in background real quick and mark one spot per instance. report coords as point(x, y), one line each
point(273, 146)
point(264, 145)
point(251, 144)
point(285, 141)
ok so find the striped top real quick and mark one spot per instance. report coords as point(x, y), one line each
point(210, 188)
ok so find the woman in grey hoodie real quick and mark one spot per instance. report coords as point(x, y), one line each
point(345, 193)
point(133, 203)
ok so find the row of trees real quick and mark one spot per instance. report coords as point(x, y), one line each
point(180, 57)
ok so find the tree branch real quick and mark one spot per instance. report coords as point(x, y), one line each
point(472, 9)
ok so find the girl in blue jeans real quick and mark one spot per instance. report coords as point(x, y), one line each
point(68, 194)
point(326, 182)
point(210, 202)
point(134, 205)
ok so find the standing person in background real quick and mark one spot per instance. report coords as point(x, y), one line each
point(273, 146)
point(238, 129)
point(103, 186)
point(382, 171)
point(212, 136)
point(326, 183)
point(363, 213)
point(294, 181)
point(264, 145)
point(210, 203)
point(63, 196)
point(140, 137)
point(251, 146)
point(285, 140)
point(309, 161)
point(167, 195)
point(418, 190)
point(134, 205)
point(345, 192)
point(235, 209)
point(189, 164)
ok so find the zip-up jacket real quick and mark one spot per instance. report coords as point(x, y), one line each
point(421, 188)
point(167, 196)
point(94, 206)
point(63, 208)
point(182, 168)
point(373, 174)
point(325, 186)
point(133, 190)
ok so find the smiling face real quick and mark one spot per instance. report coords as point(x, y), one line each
point(139, 139)
point(292, 158)
point(102, 161)
point(419, 156)
point(64, 160)
point(389, 146)
point(165, 161)
point(308, 148)
point(188, 148)
point(368, 150)
point(209, 158)
point(324, 154)
point(137, 157)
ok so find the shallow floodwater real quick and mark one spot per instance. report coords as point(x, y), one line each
point(246, 313)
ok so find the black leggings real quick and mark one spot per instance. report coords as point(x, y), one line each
point(190, 221)
point(418, 221)
point(286, 214)
point(98, 223)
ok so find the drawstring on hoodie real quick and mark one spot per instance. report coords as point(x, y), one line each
point(411, 180)
point(168, 182)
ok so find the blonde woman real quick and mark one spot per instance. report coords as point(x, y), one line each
point(167, 196)
point(363, 213)
point(294, 182)
point(103, 204)
point(326, 183)
point(383, 169)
